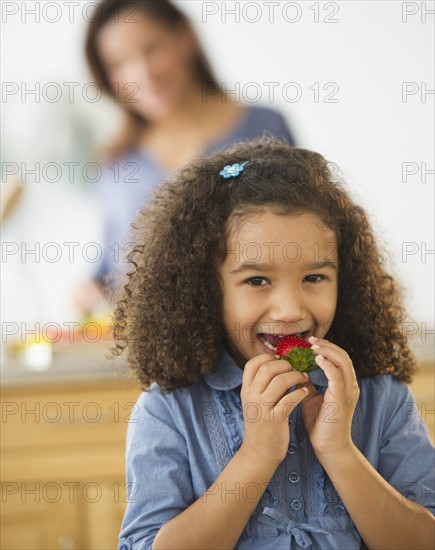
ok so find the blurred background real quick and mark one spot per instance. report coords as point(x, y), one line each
point(351, 80)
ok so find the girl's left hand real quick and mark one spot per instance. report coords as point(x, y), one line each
point(328, 417)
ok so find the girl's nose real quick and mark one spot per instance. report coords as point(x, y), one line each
point(287, 306)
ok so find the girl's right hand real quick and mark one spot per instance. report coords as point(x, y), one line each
point(267, 406)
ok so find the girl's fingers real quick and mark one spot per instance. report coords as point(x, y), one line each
point(270, 378)
point(336, 383)
point(252, 367)
point(340, 354)
point(268, 372)
point(289, 402)
point(330, 369)
point(338, 357)
point(326, 344)
point(281, 383)
point(310, 387)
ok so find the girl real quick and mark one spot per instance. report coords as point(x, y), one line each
point(229, 447)
point(146, 56)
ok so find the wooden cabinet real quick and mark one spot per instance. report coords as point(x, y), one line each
point(63, 466)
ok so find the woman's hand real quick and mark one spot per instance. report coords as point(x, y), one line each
point(328, 417)
point(267, 406)
point(88, 298)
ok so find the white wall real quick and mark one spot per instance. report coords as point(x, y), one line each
point(368, 54)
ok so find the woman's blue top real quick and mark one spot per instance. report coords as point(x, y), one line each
point(127, 183)
point(179, 442)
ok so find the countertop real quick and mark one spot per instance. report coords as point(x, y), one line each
point(69, 363)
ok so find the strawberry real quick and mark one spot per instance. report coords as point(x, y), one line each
point(297, 352)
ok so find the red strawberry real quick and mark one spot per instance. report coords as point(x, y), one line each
point(297, 352)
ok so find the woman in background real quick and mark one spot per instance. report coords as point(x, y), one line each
point(147, 57)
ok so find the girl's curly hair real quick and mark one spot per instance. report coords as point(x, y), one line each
point(168, 314)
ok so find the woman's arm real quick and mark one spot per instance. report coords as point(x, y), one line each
point(384, 518)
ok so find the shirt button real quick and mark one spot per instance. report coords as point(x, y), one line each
point(296, 504)
point(292, 449)
point(294, 477)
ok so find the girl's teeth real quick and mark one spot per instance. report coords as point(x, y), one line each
point(266, 343)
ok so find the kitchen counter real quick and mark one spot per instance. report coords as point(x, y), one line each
point(69, 363)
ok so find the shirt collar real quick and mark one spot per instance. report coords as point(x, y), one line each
point(318, 378)
point(228, 375)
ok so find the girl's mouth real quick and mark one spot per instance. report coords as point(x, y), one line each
point(270, 341)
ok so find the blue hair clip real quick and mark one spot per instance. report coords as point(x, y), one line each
point(233, 171)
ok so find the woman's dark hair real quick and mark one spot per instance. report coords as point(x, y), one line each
point(162, 11)
point(168, 313)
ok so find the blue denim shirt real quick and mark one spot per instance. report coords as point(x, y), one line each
point(178, 443)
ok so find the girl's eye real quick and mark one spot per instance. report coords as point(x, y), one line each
point(257, 281)
point(314, 278)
